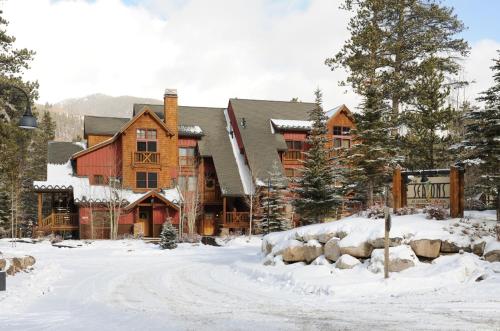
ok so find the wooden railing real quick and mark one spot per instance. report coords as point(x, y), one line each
point(212, 196)
point(146, 157)
point(237, 219)
point(186, 161)
point(59, 221)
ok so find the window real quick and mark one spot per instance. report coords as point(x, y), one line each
point(295, 149)
point(292, 172)
point(346, 131)
point(146, 180)
point(181, 181)
point(337, 130)
point(186, 151)
point(98, 179)
point(187, 183)
point(146, 140)
point(192, 182)
point(346, 143)
point(186, 156)
point(337, 142)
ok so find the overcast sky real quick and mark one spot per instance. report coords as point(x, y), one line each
point(209, 50)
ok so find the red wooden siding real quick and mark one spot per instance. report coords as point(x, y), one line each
point(104, 161)
point(187, 142)
point(297, 136)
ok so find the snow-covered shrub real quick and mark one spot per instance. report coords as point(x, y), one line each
point(405, 211)
point(436, 212)
point(475, 204)
point(168, 236)
point(376, 211)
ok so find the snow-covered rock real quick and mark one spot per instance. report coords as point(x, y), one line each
point(426, 247)
point(312, 249)
point(400, 258)
point(361, 250)
point(321, 260)
point(379, 242)
point(332, 249)
point(293, 252)
point(448, 246)
point(492, 251)
point(347, 261)
point(325, 237)
point(3, 264)
point(478, 248)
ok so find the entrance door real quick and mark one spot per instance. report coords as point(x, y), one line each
point(209, 224)
point(146, 220)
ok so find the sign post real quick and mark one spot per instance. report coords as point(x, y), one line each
point(386, 241)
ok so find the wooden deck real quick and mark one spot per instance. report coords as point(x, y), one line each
point(59, 222)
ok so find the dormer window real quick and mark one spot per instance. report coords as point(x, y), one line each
point(146, 140)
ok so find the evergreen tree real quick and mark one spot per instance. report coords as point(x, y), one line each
point(395, 37)
point(168, 236)
point(315, 190)
point(481, 145)
point(273, 216)
point(427, 141)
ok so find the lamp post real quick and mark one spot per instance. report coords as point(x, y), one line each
point(28, 121)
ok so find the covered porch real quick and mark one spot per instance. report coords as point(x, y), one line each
point(235, 215)
point(57, 213)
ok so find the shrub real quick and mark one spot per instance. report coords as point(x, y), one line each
point(405, 211)
point(168, 236)
point(436, 212)
point(376, 211)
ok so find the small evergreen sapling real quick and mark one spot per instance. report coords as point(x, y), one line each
point(168, 236)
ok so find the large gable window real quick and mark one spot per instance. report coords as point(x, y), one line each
point(146, 140)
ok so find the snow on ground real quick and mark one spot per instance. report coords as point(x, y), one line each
point(131, 285)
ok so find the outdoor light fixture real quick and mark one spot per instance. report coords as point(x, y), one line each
point(28, 121)
point(243, 122)
point(424, 178)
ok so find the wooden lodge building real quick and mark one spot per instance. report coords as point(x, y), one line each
point(145, 168)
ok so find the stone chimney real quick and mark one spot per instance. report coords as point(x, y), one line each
point(170, 115)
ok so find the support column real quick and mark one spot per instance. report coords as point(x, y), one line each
point(457, 198)
point(40, 206)
point(224, 206)
point(397, 189)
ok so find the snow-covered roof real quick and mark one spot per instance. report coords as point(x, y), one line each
point(333, 111)
point(192, 130)
point(60, 176)
point(291, 124)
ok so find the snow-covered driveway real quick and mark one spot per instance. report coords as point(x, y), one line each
point(129, 285)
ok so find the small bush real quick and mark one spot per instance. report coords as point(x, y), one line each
point(405, 211)
point(168, 236)
point(376, 211)
point(436, 212)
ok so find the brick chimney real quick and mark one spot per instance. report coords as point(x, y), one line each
point(170, 115)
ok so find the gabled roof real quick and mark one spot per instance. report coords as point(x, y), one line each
point(60, 152)
point(293, 125)
point(335, 111)
point(102, 126)
point(152, 194)
point(261, 145)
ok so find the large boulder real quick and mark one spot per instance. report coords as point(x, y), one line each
point(448, 246)
point(478, 248)
point(312, 249)
point(428, 248)
point(492, 256)
point(400, 258)
point(347, 262)
point(3, 264)
point(293, 251)
point(332, 249)
point(379, 242)
point(19, 264)
point(362, 250)
point(325, 237)
point(321, 260)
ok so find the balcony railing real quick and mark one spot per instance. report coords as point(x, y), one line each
point(146, 158)
point(237, 218)
point(60, 221)
point(187, 161)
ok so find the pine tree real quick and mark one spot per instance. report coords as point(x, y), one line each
point(168, 236)
point(481, 146)
point(402, 34)
point(273, 203)
point(316, 198)
point(428, 120)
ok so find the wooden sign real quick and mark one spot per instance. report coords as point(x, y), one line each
point(435, 191)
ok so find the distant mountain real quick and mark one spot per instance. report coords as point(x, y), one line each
point(69, 113)
point(102, 105)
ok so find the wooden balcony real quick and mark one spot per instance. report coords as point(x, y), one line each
point(236, 219)
point(146, 158)
point(212, 197)
point(59, 222)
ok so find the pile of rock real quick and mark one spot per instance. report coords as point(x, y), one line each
point(346, 253)
point(13, 265)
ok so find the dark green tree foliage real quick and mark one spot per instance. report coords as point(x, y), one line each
point(315, 189)
point(481, 146)
point(168, 236)
point(372, 157)
point(428, 121)
point(395, 37)
point(273, 203)
point(21, 160)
